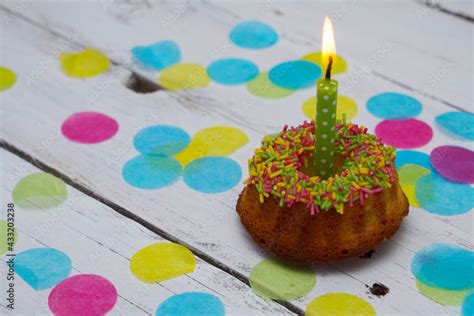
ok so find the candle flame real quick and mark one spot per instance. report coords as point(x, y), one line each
point(329, 45)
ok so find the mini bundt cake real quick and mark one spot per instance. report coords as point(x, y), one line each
point(302, 218)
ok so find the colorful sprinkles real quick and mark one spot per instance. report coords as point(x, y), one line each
point(275, 168)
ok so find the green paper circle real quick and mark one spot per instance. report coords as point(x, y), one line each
point(39, 191)
point(275, 280)
point(4, 243)
point(262, 87)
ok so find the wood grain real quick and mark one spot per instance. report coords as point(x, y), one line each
point(100, 241)
point(44, 97)
point(428, 49)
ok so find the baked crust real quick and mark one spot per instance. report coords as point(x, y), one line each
point(296, 236)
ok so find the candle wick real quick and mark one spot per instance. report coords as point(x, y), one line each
point(328, 69)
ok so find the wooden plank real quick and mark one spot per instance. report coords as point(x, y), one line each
point(100, 241)
point(418, 56)
point(463, 9)
point(207, 223)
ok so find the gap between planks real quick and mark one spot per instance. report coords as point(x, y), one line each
point(439, 7)
point(158, 87)
point(123, 211)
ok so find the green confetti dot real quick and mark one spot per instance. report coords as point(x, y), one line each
point(262, 87)
point(39, 191)
point(5, 243)
point(443, 296)
point(275, 280)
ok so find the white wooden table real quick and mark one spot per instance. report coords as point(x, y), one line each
point(430, 57)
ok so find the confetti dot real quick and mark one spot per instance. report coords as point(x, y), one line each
point(262, 87)
point(161, 140)
point(445, 267)
point(339, 65)
point(191, 304)
point(468, 306)
point(7, 78)
point(404, 134)
point(232, 71)
point(442, 296)
point(212, 174)
point(253, 35)
point(88, 63)
point(455, 262)
point(443, 197)
point(345, 105)
point(89, 127)
point(458, 123)
point(339, 304)
point(294, 75)
point(157, 56)
point(39, 191)
point(276, 280)
point(184, 76)
point(454, 163)
point(393, 106)
point(42, 268)
point(84, 294)
point(162, 261)
point(7, 240)
point(151, 172)
point(213, 141)
point(408, 174)
point(412, 157)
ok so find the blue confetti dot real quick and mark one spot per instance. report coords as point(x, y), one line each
point(253, 35)
point(212, 174)
point(191, 304)
point(459, 123)
point(443, 197)
point(157, 56)
point(294, 75)
point(161, 140)
point(393, 106)
point(151, 172)
point(413, 157)
point(468, 305)
point(42, 268)
point(444, 266)
point(232, 71)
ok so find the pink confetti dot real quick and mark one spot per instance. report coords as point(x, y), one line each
point(404, 134)
point(83, 294)
point(454, 163)
point(89, 127)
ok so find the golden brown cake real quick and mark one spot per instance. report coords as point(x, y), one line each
point(302, 218)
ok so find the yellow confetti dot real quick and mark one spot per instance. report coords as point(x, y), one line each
point(408, 174)
point(339, 304)
point(339, 64)
point(443, 296)
point(184, 76)
point(7, 78)
point(162, 261)
point(88, 63)
point(213, 141)
point(344, 105)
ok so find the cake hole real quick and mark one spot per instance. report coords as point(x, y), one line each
point(140, 84)
point(308, 167)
